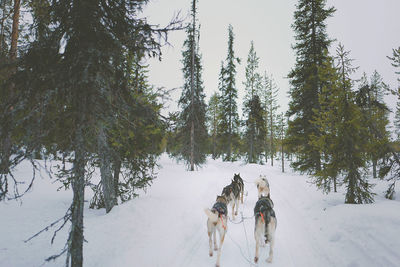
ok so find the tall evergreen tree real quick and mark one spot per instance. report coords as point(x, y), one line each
point(229, 123)
point(311, 42)
point(254, 136)
point(281, 131)
point(343, 136)
point(213, 120)
point(192, 130)
point(253, 110)
point(70, 82)
point(392, 164)
point(269, 94)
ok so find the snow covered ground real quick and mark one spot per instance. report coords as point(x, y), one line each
point(167, 226)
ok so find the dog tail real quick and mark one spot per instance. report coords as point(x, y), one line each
point(211, 215)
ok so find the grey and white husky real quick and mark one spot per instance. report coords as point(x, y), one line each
point(265, 226)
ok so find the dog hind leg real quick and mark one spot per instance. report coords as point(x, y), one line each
point(215, 240)
point(210, 234)
point(271, 238)
point(221, 241)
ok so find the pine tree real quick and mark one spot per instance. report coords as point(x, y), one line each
point(392, 164)
point(229, 123)
point(254, 138)
point(72, 92)
point(311, 42)
point(343, 135)
point(213, 120)
point(327, 119)
point(253, 110)
point(281, 130)
point(269, 94)
point(192, 131)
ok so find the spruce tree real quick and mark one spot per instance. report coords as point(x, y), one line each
point(311, 42)
point(391, 168)
point(213, 120)
point(229, 123)
point(281, 130)
point(192, 130)
point(254, 136)
point(70, 81)
point(269, 94)
point(342, 139)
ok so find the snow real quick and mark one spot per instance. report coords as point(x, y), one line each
point(166, 226)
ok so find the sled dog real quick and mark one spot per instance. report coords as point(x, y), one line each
point(217, 221)
point(265, 225)
point(237, 179)
point(232, 194)
point(263, 186)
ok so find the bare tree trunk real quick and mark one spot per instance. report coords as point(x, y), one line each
point(374, 163)
point(110, 199)
point(271, 139)
point(117, 170)
point(15, 32)
point(3, 19)
point(282, 156)
point(75, 242)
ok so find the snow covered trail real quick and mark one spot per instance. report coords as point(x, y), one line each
point(167, 226)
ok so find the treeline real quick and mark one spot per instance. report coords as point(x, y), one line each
point(74, 88)
point(336, 128)
point(214, 128)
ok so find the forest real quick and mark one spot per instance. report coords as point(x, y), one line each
point(75, 90)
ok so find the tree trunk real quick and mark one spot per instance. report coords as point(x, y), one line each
point(75, 242)
point(193, 87)
point(271, 139)
point(283, 157)
point(374, 163)
point(335, 184)
point(110, 199)
point(14, 34)
point(2, 26)
point(117, 170)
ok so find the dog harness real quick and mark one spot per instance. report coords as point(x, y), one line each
point(220, 208)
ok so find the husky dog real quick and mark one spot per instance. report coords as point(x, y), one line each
point(263, 186)
point(217, 220)
point(264, 231)
point(237, 179)
point(232, 194)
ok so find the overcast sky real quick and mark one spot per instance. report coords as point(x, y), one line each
point(369, 28)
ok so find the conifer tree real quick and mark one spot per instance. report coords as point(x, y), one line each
point(311, 42)
point(213, 120)
point(192, 130)
point(281, 129)
point(343, 135)
point(391, 167)
point(70, 82)
point(269, 94)
point(229, 123)
point(253, 110)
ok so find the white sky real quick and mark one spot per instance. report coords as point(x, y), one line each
point(369, 28)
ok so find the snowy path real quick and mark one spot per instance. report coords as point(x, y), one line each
point(167, 225)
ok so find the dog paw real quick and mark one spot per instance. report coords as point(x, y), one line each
point(255, 259)
point(211, 254)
